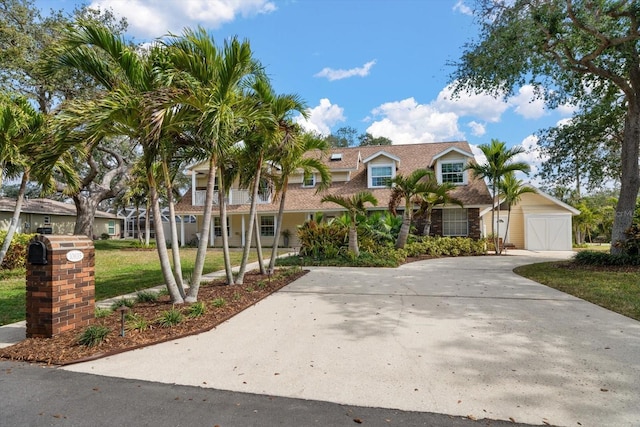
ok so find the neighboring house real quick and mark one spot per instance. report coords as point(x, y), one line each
point(353, 169)
point(51, 216)
point(539, 222)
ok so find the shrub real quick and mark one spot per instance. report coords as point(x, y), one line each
point(220, 302)
point(321, 240)
point(605, 258)
point(136, 322)
point(93, 335)
point(16, 256)
point(123, 302)
point(101, 312)
point(170, 318)
point(196, 309)
point(146, 296)
point(105, 236)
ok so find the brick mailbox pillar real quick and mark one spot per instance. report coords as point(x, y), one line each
point(60, 284)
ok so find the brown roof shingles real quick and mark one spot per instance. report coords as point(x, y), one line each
point(412, 157)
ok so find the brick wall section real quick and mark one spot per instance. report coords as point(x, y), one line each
point(61, 293)
point(474, 223)
point(436, 223)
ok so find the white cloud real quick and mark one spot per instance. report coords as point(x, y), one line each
point(526, 103)
point(152, 18)
point(477, 129)
point(532, 156)
point(483, 106)
point(322, 118)
point(407, 122)
point(462, 8)
point(332, 74)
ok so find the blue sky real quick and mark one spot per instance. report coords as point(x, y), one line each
point(380, 66)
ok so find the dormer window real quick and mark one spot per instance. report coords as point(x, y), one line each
point(380, 175)
point(309, 180)
point(452, 172)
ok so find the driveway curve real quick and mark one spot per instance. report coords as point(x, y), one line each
point(460, 336)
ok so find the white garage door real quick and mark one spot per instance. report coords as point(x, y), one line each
point(548, 233)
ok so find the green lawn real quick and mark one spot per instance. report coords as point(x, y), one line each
point(615, 290)
point(118, 271)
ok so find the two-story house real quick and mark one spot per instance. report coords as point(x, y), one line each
point(352, 169)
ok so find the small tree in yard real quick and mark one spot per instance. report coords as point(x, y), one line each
point(407, 187)
point(355, 206)
point(512, 189)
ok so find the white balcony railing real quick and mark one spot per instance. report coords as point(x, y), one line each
point(235, 197)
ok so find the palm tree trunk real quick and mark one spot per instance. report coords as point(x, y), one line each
point(506, 230)
point(15, 218)
point(147, 224)
point(175, 246)
point(223, 223)
point(161, 247)
point(204, 235)
point(498, 247)
point(252, 220)
point(403, 235)
point(427, 223)
point(259, 246)
point(353, 240)
point(274, 249)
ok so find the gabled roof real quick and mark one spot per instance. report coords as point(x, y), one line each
point(449, 150)
point(381, 153)
point(46, 207)
point(549, 197)
point(412, 156)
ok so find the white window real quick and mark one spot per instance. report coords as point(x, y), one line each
point(452, 172)
point(267, 226)
point(309, 180)
point(455, 222)
point(217, 230)
point(46, 220)
point(380, 175)
point(111, 227)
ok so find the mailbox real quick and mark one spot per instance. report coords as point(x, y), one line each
point(37, 253)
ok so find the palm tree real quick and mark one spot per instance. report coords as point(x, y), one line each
point(27, 149)
point(406, 187)
point(19, 122)
point(216, 80)
point(500, 161)
point(289, 157)
point(274, 130)
point(511, 190)
point(434, 195)
point(355, 206)
point(132, 105)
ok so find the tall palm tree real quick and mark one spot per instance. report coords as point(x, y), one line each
point(290, 157)
point(435, 195)
point(511, 190)
point(271, 131)
point(355, 206)
point(217, 79)
point(500, 161)
point(131, 105)
point(406, 187)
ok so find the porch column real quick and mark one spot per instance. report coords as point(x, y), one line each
point(242, 233)
point(193, 188)
point(212, 234)
point(182, 230)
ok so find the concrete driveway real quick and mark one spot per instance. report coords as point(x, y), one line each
point(459, 336)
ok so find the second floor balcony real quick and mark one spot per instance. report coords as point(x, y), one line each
point(234, 197)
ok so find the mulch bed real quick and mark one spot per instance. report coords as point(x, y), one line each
point(64, 349)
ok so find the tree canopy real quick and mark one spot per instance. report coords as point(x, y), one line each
point(570, 52)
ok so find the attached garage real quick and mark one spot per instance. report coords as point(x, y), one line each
point(539, 222)
point(547, 232)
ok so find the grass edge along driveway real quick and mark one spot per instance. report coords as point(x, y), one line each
point(617, 291)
